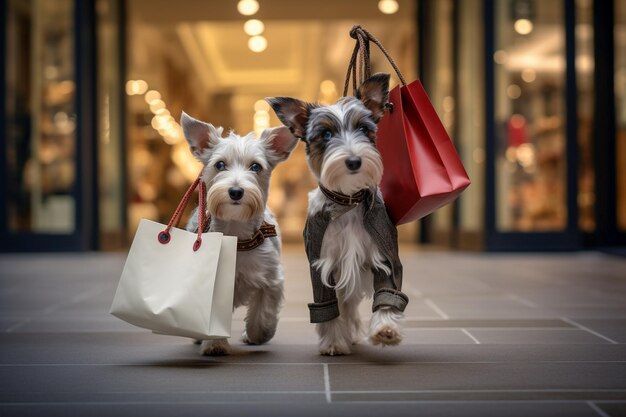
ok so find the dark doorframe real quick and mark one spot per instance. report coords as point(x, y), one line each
point(84, 236)
point(570, 238)
point(607, 232)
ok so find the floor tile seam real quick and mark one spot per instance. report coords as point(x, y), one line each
point(282, 401)
point(430, 303)
point(468, 334)
point(368, 392)
point(382, 363)
point(568, 328)
point(597, 409)
point(327, 390)
point(593, 332)
point(55, 307)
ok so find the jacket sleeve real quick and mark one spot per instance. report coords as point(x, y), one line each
point(324, 307)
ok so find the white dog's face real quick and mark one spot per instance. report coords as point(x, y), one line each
point(237, 169)
point(340, 138)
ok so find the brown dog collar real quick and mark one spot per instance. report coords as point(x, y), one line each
point(266, 230)
point(343, 199)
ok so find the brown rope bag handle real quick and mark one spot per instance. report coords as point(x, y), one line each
point(362, 53)
point(164, 237)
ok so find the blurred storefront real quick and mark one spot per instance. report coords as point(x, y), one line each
point(532, 92)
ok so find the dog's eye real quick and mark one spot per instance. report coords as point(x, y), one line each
point(220, 166)
point(364, 130)
point(256, 167)
point(327, 134)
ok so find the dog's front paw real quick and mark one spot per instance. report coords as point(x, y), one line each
point(335, 349)
point(257, 336)
point(219, 347)
point(386, 335)
point(385, 327)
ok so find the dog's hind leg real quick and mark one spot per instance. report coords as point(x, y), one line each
point(334, 336)
point(350, 314)
point(215, 347)
point(262, 317)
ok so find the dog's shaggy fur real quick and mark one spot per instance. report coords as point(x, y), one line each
point(341, 153)
point(237, 175)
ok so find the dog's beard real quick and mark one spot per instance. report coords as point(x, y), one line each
point(222, 207)
point(336, 176)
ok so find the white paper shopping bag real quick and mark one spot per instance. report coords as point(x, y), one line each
point(176, 282)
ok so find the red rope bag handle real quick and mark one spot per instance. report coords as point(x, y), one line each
point(164, 237)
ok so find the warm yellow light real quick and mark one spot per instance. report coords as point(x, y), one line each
point(257, 43)
point(253, 27)
point(514, 91)
point(248, 7)
point(132, 87)
point(523, 26)
point(500, 57)
point(156, 105)
point(529, 75)
point(152, 95)
point(261, 121)
point(388, 6)
point(261, 105)
point(448, 104)
point(328, 87)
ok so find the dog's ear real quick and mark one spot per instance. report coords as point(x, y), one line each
point(374, 93)
point(280, 142)
point(293, 113)
point(199, 135)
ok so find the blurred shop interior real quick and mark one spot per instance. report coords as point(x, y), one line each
point(532, 93)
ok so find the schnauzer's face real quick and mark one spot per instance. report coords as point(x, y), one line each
point(340, 138)
point(236, 169)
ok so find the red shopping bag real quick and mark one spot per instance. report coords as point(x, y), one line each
point(422, 170)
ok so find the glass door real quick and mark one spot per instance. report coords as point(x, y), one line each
point(531, 134)
point(40, 180)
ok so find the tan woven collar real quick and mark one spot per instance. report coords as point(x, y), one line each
point(343, 199)
point(266, 230)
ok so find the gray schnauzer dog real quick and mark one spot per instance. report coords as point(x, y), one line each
point(350, 241)
point(237, 175)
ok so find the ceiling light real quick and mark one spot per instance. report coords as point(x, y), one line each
point(388, 6)
point(327, 87)
point(156, 105)
point(248, 7)
point(500, 57)
point(253, 27)
point(152, 95)
point(261, 105)
point(523, 26)
point(529, 75)
point(513, 91)
point(257, 43)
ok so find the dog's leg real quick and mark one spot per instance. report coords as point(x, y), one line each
point(262, 316)
point(385, 327)
point(350, 313)
point(215, 347)
point(335, 336)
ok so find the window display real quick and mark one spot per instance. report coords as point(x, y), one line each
point(40, 116)
point(531, 160)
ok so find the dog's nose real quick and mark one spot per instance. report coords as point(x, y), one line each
point(353, 163)
point(235, 193)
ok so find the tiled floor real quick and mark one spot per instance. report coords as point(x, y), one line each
point(486, 335)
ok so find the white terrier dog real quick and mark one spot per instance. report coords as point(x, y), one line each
point(237, 175)
point(350, 241)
